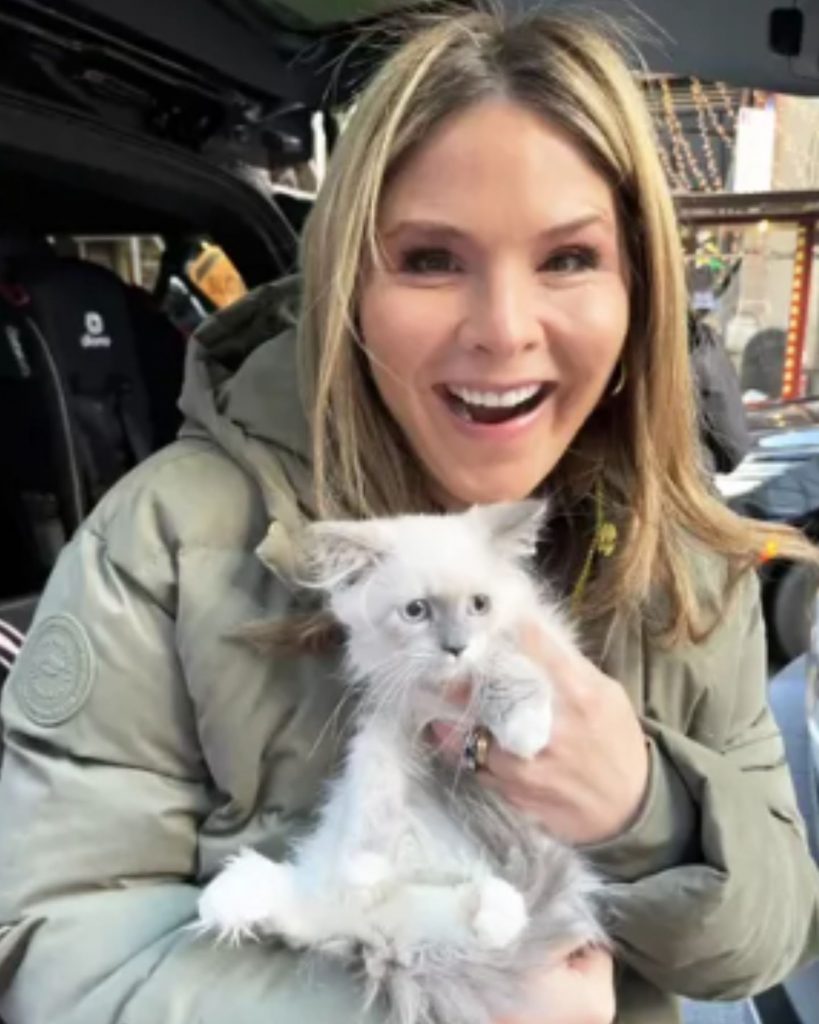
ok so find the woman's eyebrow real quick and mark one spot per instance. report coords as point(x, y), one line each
point(569, 227)
point(427, 227)
point(444, 230)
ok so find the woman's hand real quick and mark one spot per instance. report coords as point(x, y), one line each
point(590, 781)
point(578, 990)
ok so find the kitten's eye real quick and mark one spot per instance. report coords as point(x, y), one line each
point(416, 611)
point(479, 604)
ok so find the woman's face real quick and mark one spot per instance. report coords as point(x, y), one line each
point(502, 307)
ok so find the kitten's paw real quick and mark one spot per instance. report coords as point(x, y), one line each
point(243, 900)
point(526, 730)
point(501, 915)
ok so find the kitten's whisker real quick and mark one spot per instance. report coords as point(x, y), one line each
point(394, 685)
point(332, 719)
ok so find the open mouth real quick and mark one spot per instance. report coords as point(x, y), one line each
point(478, 406)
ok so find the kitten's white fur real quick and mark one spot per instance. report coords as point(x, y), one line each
point(401, 873)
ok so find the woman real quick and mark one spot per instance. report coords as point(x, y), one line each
point(492, 305)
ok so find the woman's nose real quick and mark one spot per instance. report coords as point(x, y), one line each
point(503, 316)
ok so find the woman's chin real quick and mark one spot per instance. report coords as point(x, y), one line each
point(489, 488)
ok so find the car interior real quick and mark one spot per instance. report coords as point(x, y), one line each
point(90, 363)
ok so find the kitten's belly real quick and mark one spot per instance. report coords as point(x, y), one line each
point(432, 847)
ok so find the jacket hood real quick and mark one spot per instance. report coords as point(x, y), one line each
point(241, 390)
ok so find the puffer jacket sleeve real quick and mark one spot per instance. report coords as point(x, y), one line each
point(713, 893)
point(103, 786)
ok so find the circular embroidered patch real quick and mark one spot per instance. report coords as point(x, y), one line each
point(54, 675)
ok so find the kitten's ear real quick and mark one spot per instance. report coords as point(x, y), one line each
point(513, 526)
point(338, 552)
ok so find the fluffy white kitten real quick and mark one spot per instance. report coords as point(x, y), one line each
point(445, 896)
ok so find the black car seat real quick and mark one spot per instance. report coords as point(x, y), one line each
point(42, 495)
point(90, 372)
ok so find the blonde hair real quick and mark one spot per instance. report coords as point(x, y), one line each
point(643, 442)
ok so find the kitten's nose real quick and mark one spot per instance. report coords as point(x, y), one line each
point(454, 650)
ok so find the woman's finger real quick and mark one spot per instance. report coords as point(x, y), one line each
point(579, 990)
point(568, 670)
point(500, 767)
point(548, 650)
point(523, 796)
point(591, 960)
point(527, 772)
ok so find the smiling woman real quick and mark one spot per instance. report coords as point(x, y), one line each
point(491, 309)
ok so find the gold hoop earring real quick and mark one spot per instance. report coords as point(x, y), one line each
point(621, 381)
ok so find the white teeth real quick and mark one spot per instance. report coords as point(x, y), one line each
point(494, 399)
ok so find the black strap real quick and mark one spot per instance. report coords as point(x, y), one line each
point(132, 424)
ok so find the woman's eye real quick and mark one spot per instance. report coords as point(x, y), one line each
point(479, 604)
point(572, 261)
point(416, 611)
point(428, 261)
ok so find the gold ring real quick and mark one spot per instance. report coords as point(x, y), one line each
point(476, 749)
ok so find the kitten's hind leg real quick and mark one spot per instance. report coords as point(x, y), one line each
point(501, 914)
point(250, 897)
point(487, 913)
point(367, 874)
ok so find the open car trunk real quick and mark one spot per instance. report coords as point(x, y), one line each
point(737, 41)
point(63, 173)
